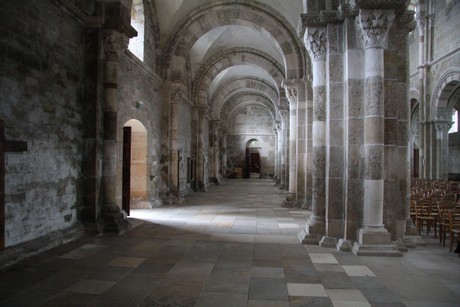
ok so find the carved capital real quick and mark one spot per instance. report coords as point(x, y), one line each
point(347, 10)
point(442, 125)
point(373, 26)
point(315, 42)
point(115, 44)
point(406, 21)
point(291, 92)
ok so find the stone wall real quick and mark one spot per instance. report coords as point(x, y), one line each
point(248, 124)
point(41, 87)
point(139, 99)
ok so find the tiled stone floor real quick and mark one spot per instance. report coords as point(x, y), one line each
point(231, 246)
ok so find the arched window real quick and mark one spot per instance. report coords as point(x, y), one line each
point(136, 44)
point(454, 127)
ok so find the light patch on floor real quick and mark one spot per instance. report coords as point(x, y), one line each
point(295, 289)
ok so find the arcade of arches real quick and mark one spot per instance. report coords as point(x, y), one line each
point(127, 104)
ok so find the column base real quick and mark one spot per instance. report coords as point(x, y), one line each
point(328, 242)
point(114, 220)
point(411, 230)
point(375, 242)
point(413, 241)
point(312, 233)
point(282, 186)
point(201, 187)
point(214, 180)
point(344, 245)
point(376, 250)
point(309, 239)
point(290, 201)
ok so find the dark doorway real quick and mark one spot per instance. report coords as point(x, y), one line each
point(126, 188)
point(255, 162)
point(415, 167)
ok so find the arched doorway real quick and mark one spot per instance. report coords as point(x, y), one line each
point(134, 189)
point(253, 162)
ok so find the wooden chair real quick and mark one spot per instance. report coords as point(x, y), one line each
point(423, 216)
point(443, 219)
point(454, 226)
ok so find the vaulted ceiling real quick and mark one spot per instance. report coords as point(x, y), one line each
point(229, 49)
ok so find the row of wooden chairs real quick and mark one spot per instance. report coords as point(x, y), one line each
point(444, 214)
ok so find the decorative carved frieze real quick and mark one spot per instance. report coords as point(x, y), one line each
point(115, 44)
point(315, 42)
point(373, 26)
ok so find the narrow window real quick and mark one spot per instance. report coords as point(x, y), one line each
point(454, 127)
point(136, 44)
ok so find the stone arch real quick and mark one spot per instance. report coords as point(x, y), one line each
point(256, 15)
point(236, 102)
point(229, 58)
point(445, 86)
point(240, 85)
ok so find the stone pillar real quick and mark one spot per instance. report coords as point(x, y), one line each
point(202, 156)
point(284, 183)
point(279, 146)
point(223, 150)
point(442, 148)
point(301, 194)
point(115, 44)
point(291, 93)
point(214, 147)
point(315, 42)
point(373, 26)
point(174, 182)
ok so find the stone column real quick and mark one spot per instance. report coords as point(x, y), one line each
point(214, 146)
point(279, 146)
point(174, 186)
point(115, 44)
point(202, 155)
point(291, 93)
point(373, 26)
point(284, 183)
point(223, 149)
point(315, 42)
point(442, 148)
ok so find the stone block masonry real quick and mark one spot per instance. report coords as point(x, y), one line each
point(40, 92)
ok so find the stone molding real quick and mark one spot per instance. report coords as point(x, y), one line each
point(379, 4)
point(115, 44)
point(315, 41)
point(373, 26)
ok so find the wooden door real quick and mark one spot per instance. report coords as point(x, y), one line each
point(126, 188)
point(255, 162)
